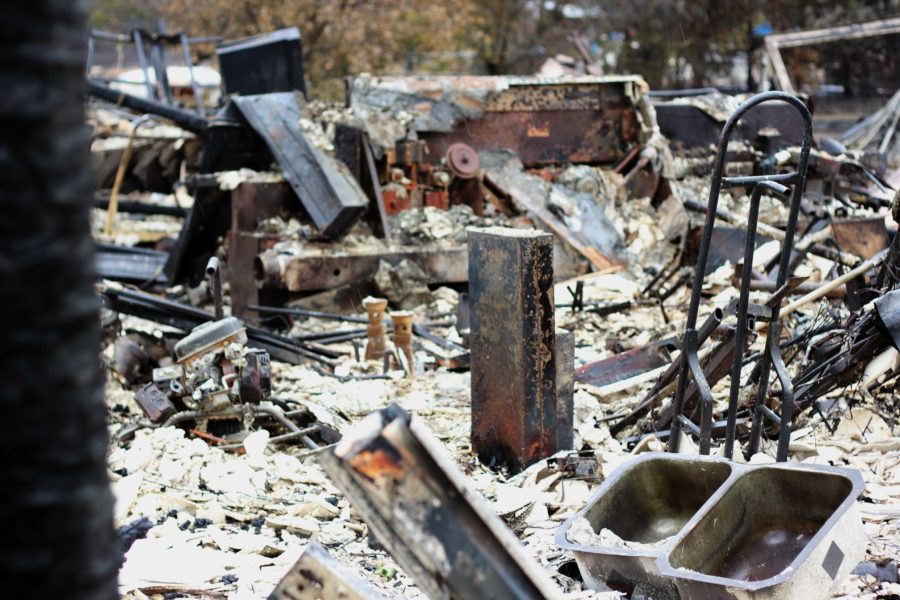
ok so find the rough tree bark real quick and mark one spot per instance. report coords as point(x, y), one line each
point(56, 531)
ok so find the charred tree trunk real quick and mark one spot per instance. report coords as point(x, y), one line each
point(57, 536)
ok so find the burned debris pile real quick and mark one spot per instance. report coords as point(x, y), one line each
point(477, 336)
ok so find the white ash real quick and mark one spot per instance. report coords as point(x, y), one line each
point(582, 532)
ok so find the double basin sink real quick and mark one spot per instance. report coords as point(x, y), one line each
point(700, 527)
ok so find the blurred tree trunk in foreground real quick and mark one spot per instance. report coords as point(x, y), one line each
point(58, 539)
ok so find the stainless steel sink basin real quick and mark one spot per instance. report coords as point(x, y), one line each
point(703, 528)
point(645, 502)
point(779, 531)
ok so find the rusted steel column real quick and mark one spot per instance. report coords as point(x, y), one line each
point(513, 356)
point(443, 534)
point(565, 389)
point(376, 328)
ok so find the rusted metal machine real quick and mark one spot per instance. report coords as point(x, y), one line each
point(215, 371)
point(411, 181)
point(544, 121)
point(220, 384)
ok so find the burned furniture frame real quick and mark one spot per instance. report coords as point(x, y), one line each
point(158, 88)
point(690, 366)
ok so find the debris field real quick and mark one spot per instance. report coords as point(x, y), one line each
point(497, 337)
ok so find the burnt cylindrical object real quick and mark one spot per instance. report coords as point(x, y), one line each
point(268, 270)
point(376, 329)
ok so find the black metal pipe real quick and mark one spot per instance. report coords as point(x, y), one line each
point(141, 208)
point(186, 317)
point(730, 182)
point(302, 312)
point(214, 277)
point(743, 304)
point(184, 119)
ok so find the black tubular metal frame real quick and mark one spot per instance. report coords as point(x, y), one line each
point(774, 185)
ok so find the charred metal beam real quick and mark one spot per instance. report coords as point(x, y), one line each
point(513, 360)
point(185, 317)
point(628, 364)
point(353, 148)
point(418, 504)
point(141, 208)
point(129, 264)
point(314, 271)
point(318, 576)
point(325, 186)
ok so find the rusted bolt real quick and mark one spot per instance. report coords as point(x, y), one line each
point(376, 328)
point(403, 336)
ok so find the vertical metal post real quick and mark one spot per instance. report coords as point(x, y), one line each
point(565, 389)
point(158, 54)
point(142, 61)
point(186, 50)
point(215, 286)
point(513, 354)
